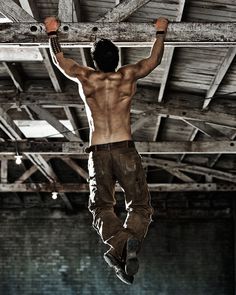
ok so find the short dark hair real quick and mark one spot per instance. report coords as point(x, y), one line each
point(105, 54)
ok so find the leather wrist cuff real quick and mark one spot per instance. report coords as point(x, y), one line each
point(55, 45)
point(160, 32)
point(52, 33)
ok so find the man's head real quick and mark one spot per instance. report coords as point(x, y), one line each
point(105, 55)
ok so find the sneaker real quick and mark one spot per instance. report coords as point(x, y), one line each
point(119, 268)
point(132, 264)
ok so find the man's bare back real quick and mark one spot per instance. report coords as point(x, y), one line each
point(107, 95)
point(108, 100)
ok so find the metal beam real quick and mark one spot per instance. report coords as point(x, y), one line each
point(124, 34)
point(77, 148)
point(84, 188)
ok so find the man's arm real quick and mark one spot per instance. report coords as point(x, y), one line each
point(147, 65)
point(66, 65)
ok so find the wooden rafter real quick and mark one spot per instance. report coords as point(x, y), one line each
point(76, 148)
point(84, 188)
point(15, 75)
point(43, 114)
point(229, 57)
point(48, 172)
point(223, 116)
point(9, 127)
point(125, 34)
point(193, 169)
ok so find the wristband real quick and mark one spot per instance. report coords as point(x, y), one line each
point(55, 45)
point(160, 32)
point(52, 33)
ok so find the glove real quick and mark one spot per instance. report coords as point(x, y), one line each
point(52, 24)
point(161, 24)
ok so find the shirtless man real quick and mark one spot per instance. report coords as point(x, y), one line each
point(107, 96)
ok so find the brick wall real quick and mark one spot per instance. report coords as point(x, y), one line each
point(51, 253)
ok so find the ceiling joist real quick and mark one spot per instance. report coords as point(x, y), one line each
point(124, 34)
point(84, 188)
point(77, 148)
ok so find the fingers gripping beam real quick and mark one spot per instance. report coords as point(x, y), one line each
point(124, 34)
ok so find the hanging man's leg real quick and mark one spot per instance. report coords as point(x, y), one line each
point(132, 178)
point(101, 204)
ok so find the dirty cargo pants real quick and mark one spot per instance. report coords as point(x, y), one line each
point(107, 164)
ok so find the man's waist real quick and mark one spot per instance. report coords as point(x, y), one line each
point(110, 146)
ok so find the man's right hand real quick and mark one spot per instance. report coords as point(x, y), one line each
point(52, 24)
point(161, 24)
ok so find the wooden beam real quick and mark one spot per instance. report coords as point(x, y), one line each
point(169, 54)
point(72, 164)
point(20, 54)
point(45, 115)
point(9, 127)
point(77, 148)
point(27, 174)
point(14, 12)
point(48, 172)
point(70, 11)
point(51, 69)
point(84, 188)
point(193, 169)
point(4, 170)
point(15, 75)
point(123, 10)
point(139, 123)
point(30, 7)
point(223, 116)
point(227, 61)
point(207, 129)
point(124, 34)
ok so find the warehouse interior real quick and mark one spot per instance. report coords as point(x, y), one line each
point(183, 120)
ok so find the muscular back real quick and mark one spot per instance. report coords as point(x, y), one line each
point(108, 100)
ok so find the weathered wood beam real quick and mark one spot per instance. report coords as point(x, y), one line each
point(27, 174)
point(14, 12)
point(45, 115)
point(15, 75)
point(4, 170)
point(193, 169)
point(170, 53)
point(48, 172)
point(139, 123)
point(223, 116)
point(227, 61)
point(80, 171)
point(123, 10)
point(83, 188)
point(124, 34)
point(207, 129)
point(30, 7)
point(53, 75)
point(20, 54)
point(9, 127)
point(77, 148)
point(70, 11)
